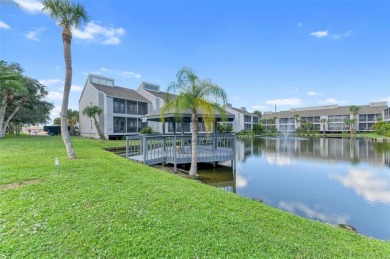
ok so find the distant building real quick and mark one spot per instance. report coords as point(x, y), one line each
point(123, 108)
point(243, 120)
point(333, 115)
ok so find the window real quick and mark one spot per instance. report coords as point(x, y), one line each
point(247, 118)
point(119, 105)
point(362, 117)
point(119, 124)
point(247, 126)
point(132, 125)
point(131, 107)
point(371, 117)
point(256, 120)
point(142, 108)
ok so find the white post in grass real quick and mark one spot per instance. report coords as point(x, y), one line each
point(57, 163)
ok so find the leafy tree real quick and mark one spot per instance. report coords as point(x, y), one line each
point(68, 16)
point(258, 128)
point(223, 128)
point(35, 110)
point(10, 85)
point(22, 99)
point(195, 94)
point(57, 121)
point(94, 112)
point(258, 114)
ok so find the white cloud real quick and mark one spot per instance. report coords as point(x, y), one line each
point(259, 107)
point(367, 184)
point(50, 82)
point(236, 98)
point(30, 6)
point(323, 34)
point(318, 212)
point(319, 34)
point(33, 34)
point(241, 181)
point(76, 88)
point(131, 74)
point(55, 113)
point(386, 99)
point(300, 24)
point(105, 69)
point(54, 96)
point(332, 101)
point(96, 33)
point(314, 93)
point(4, 25)
point(342, 35)
point(278, 159)
point(285, 101)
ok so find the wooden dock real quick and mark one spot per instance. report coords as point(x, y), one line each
point(176, 149)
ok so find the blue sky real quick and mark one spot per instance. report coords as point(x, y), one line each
point(292, 53)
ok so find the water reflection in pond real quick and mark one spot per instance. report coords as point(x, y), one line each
point(338, 181)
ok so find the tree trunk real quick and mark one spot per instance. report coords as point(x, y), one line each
point(97, 126)
point(66, 37)
point(4, 124)
point(194, 145)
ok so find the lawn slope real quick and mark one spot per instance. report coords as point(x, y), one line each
point(101, 205)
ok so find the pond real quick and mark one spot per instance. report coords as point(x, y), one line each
point(332, 180)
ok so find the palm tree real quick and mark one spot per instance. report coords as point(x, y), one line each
point(197, 96)
point(354, 110)
point(351, 123)
point(94, 112)
point(323, 121)
point(68, 16)
point(73, 119)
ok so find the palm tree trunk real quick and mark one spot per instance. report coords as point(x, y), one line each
point(67, 37)
point(194, 145)
point(97, 126)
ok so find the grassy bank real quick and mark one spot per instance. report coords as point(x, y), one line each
point(101, 205)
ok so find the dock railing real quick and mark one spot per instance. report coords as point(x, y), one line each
point(177, 149)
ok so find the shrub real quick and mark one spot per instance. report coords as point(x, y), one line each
point(146, 130)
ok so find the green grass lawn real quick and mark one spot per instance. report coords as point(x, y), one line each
point(101, 205)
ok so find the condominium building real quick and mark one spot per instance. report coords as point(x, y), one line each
point(243, 120)
point(127, 111)
point(329, 118)
point(123, 108)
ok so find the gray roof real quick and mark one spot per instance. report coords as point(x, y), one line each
point(120, 92)
point(161, 95)
point(243, 111)
point(155, 115)
point(326, 111)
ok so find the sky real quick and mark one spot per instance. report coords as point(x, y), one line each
point(289, 53)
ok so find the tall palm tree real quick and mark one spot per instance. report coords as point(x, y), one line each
point(68, 15)
point(323, 122)
point(94, 112)
point(195, 95)
point(354, 110)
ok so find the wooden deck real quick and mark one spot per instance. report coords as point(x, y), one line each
point(176, 149)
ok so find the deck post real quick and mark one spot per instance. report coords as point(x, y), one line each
point(145, 149)
point(127, 146)
point(174, 154)
point(234, 153)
